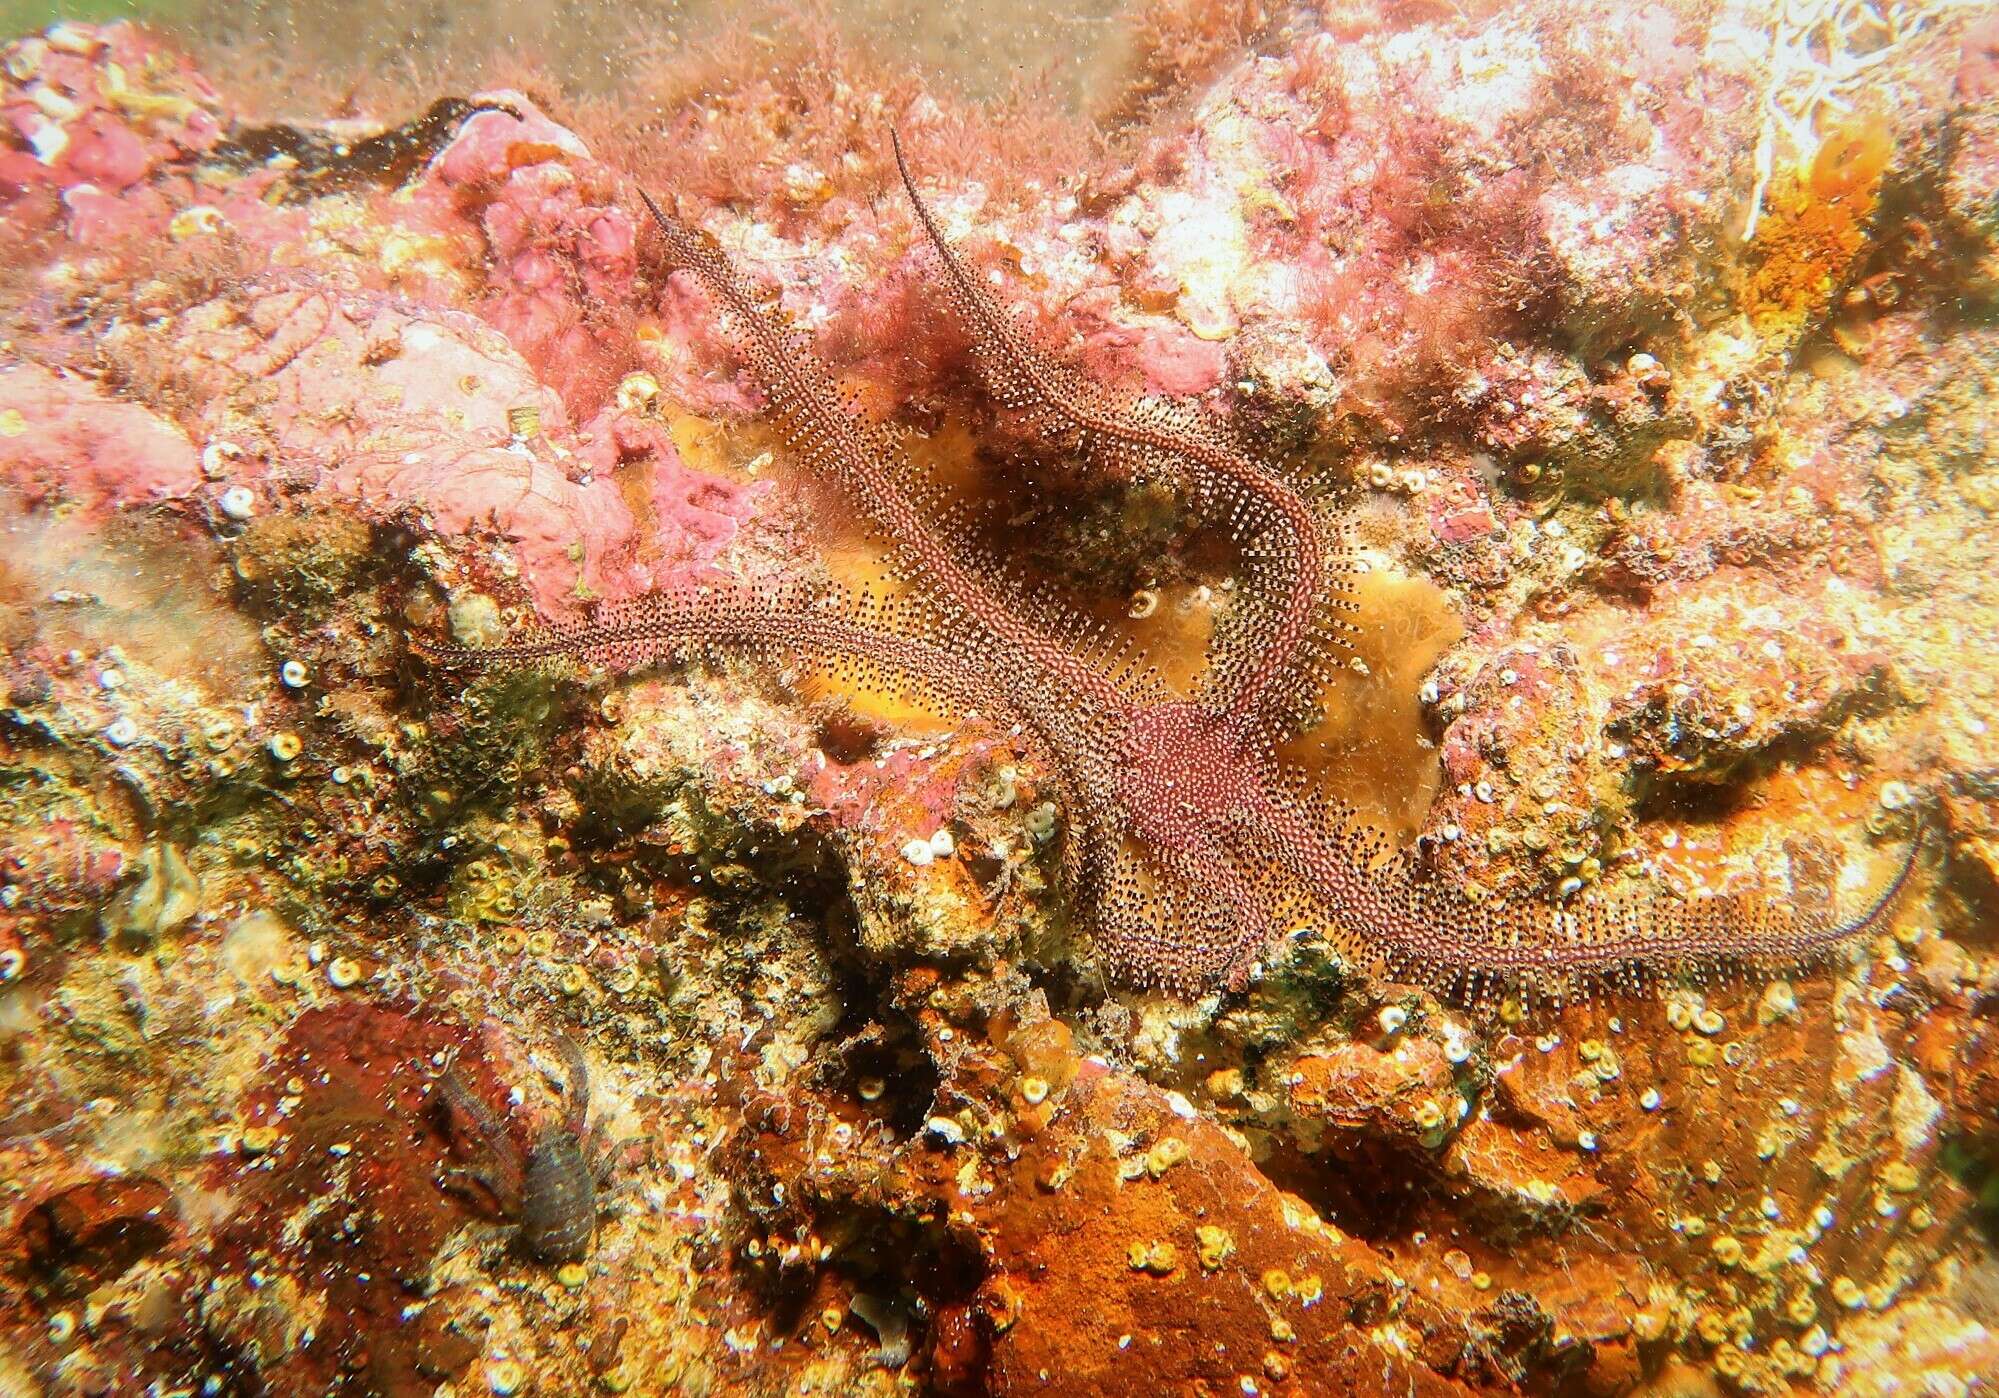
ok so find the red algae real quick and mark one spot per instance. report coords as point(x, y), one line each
point(339, 1153)
point(1677, 597)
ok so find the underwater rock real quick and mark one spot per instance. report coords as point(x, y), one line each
point(66, 442)
point(570, 530)
point(334, 1171)
point(399, 406)
point(1401, 1093)
point(560, 241)
point(99, 110)
point(1696, 522)
point(419, 411)
point(1914, 1336)
point(694, 774)
point(935, 871)
point(163, 895)
point(93, 1232)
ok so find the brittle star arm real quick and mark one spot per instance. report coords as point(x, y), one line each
point(1411, 928)
point(698, 619)
point(1154, 433)
point(834, 441)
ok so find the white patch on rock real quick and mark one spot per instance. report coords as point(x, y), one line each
point(1914, 1112)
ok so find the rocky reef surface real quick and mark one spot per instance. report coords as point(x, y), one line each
point(1651, 353)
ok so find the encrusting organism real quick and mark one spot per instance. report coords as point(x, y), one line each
point(553, 1189)
point(1190, 846)
point(1819, 56)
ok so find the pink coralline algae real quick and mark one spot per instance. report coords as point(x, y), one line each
point(63, 440)
point(607, 510)
point(394, 370)
point(1624, 374)
point(94, 113)
point(559, 258)
point(396, 409)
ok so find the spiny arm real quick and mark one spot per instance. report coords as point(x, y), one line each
point(835, 442)
point(662, 625)
point(1419, 930)
point(1151, 434)
point(701, 620)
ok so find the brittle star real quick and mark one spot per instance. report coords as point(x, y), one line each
point(1190, 848)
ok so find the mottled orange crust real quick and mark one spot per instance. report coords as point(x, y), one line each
point(1816, 228)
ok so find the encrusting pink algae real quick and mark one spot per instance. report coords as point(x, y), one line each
point(1307, 710)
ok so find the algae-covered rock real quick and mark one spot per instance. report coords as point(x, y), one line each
point(1642, 385)
point(300, 564)
point(163, 895)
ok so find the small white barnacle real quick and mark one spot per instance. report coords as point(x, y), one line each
point(238, 502)
point(195, 221)
point(218, 456)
